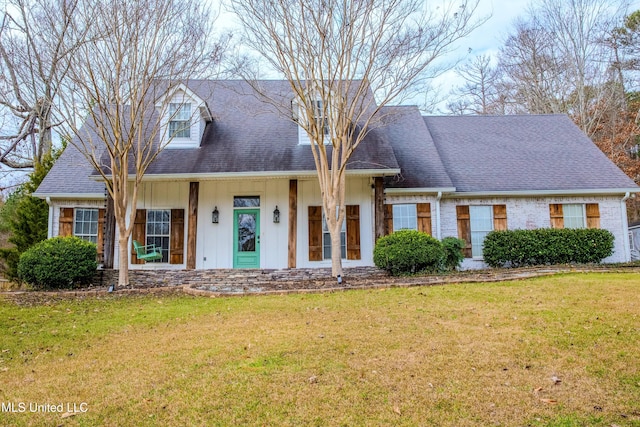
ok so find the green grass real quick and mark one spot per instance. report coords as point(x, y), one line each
point(458, 355)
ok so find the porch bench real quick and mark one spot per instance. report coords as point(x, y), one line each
point(147, 252)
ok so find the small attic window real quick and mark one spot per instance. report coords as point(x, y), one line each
point(322, 121)
point(179, 120)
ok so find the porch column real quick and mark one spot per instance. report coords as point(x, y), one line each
point(192, 230)
point(378, 185)
point(293, 222)
point(109, 232)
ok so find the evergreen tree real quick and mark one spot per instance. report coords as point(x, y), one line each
point(25, 217)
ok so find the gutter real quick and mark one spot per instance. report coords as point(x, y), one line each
point(438, 230)
point(439, 190)
point(258, 175)
point(50, 219)
point(625, 224)
point(538, 193)
point(77, 196)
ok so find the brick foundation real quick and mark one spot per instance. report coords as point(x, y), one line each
point(264, 279)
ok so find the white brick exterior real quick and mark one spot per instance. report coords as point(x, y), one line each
point(530, 213)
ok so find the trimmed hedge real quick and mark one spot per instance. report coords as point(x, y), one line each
point(544, 246)
point(407, 252)
point(60, 262)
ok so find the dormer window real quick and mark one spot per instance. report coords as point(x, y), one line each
point(322, 121)
point(180, 120)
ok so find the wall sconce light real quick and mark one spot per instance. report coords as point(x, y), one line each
point(215, 215)
point(276, 215)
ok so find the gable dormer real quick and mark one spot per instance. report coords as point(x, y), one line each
point(316, 109)
point(184, 117)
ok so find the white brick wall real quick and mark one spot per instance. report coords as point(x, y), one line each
point(530, 213)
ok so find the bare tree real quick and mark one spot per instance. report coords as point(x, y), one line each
point(533, 73)
point(557, 61)
point(335, 54)
point(122, 77)
point(480, 93)
point(34, 58)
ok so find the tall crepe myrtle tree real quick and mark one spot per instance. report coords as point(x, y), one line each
point(335, 54)
point(134, 56)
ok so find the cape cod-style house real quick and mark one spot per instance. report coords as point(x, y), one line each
point(237, 186)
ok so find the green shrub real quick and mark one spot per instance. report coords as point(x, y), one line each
point(408, 251)
point(516, 248)
point(453, 254)
point(60, 262)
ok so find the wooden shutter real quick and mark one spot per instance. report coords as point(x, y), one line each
point(423, 211)
point(388, 219)
point(66, 222)
point(464, 228)
point(176, 241)
point(556, 215)
point(353, 231)
point(500, 217)
point(100, 239)
point(139, 233)
point(593, 215)
point(315, 233)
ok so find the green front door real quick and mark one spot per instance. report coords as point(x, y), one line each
point(246, 238)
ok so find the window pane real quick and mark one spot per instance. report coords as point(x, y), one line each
point(405, 217)
point(246, 202)
point(481, 225)
point(86, 224)
point(158, 231)
point(573, 216)
point(326, 238)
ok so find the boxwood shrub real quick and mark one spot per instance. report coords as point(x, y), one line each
point(408, 251)
point(453, 254)
point(60, 262)
point(516, 248)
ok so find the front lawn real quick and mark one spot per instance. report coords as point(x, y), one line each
point(559, 351)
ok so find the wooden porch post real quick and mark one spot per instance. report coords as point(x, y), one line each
point(379, 206)
point(192, 230)
point(293, 222)
point(109, 233)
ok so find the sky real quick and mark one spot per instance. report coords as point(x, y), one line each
point(487, 39)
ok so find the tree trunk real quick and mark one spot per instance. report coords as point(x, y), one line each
point(336, 249)
point(123, 257)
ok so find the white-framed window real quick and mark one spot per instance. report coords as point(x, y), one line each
point(85, 224)
point(326, 238)
point(574, 215)
point(159, 231)
point(322, 121)
point(179, 120)
point(481, 223)
point(405, 216)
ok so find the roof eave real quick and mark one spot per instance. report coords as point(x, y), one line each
point(78, 196)
point(253, 174)
point(531, 193)
point(405, 191)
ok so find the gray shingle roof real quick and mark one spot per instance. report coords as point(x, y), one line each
point(70, 175)
point(470, 153)
point(521, 153)
point(421, 166)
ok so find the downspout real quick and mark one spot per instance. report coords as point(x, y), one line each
point(625, 224)
point(50, 221)
point(438, 230)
